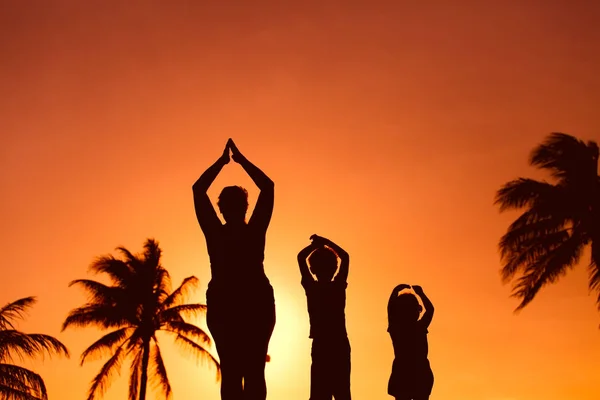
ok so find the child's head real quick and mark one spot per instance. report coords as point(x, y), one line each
point(323, 263)
point(407, 307)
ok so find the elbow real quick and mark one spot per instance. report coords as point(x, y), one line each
point(199, 186)
point(268, 185)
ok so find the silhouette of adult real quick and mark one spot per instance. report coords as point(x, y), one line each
point(240, 301)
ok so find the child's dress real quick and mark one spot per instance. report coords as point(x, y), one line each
point(412, 376)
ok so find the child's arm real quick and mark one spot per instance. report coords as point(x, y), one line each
point(205, 212)
point(428, 315)
point(302, 256)
point(264, 205)
point(342, 274)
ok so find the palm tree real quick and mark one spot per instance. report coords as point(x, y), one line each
point(18, 383)
point(138, 303)
point(560, 218)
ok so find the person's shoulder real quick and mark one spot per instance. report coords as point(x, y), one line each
point(307, 283)
point(215, 231)
point(219, 227)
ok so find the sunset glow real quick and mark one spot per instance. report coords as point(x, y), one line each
point(386, 126)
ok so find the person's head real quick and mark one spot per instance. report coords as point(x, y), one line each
point(407, 307)
point(323, 263)
point(233, 204)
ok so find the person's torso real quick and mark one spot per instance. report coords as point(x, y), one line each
point(410, 342)
point(236, 263)
point(326, 309)
point(236, 254)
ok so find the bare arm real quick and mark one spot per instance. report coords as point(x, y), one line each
point(342, 274)
point(264, 205)
point(205, 212)
point(429, 309)
point(302, 256)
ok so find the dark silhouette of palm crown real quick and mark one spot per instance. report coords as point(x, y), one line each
point(559, 220)
point(137, 305)
point(18, 383)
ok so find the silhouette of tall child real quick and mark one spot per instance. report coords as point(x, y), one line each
point(326, 298)
point(412, 378)
point(240, 301)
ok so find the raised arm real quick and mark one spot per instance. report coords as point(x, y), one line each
point(302, 256)
point(428, 315)
point(342, 274)
point(205, 212)
point(264, 205)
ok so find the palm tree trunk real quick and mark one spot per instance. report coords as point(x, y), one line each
point(145, 359)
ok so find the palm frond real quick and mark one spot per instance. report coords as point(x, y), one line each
point(594, 269)
point(522, 232)
point(548, 269)
point(47, 344)
point(565, 156)
point(134, 378)
point(162, 285)
point(530, 252)
point(200, 353)
point(525, 192)
point(14, 379)
point(133, 261)
point(128, 255)
point(135, 341)
point(594, 279)
point(190, 283)
point(106, 344)
point(152, 253)
point(160, 379)
point(100, 315)
point(101, 382)
point(15, 310)
point(177, 313)
point(22, 345)
point(10, 393)
point(98, 293)
point(118, 271)
point(22, 382)
point(188, 330)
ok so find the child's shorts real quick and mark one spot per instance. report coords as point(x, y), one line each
point(410, 379)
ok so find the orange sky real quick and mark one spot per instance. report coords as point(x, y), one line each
point(387, 126)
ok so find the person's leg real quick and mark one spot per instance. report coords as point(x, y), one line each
point(321, 372)
point(257, 347)
point(342, 371)
point(225, 343)
point(424, 382)
point(231, 379)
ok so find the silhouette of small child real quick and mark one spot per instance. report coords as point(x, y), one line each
point(326, 299)
point(412, 377)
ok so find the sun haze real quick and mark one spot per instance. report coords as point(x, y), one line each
point(386, 126)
